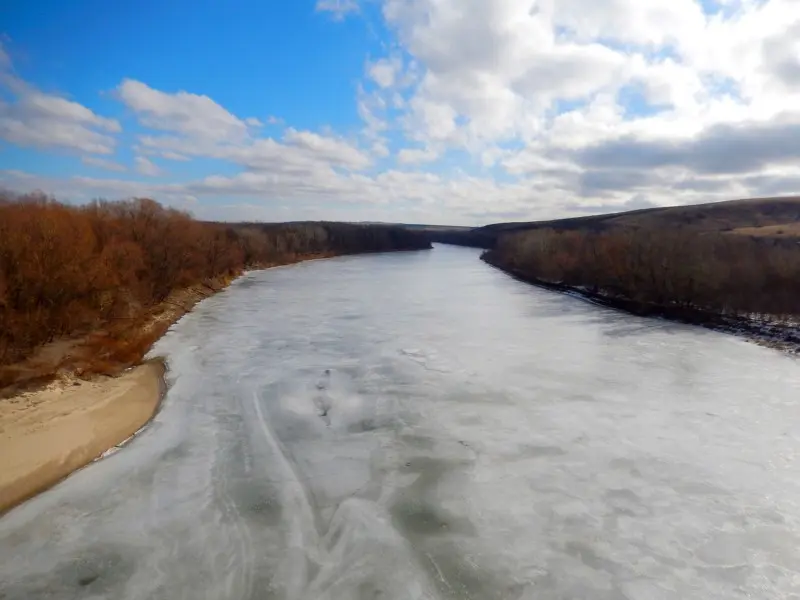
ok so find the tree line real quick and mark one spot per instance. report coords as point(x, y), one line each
point(717, 272)
point(66, 270)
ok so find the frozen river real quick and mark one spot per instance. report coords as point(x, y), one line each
point(419, 425)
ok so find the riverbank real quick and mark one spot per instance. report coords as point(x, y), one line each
point(47, 434)
point(83, 397)
point(768, 332)
point(120, 344)
point(87, 395)
point(93, 395)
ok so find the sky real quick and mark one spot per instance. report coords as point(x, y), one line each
point(461, 112)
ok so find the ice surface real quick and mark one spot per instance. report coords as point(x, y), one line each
point(419, 425)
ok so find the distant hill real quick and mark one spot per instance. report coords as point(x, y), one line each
point(451, 234)
point(714, 216)
point(762, 217)
point(726, 265)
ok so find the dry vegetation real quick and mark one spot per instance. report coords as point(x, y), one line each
point(697, 218)
point(717, 263)
point(652, 268)
point(90, 288)
point(785, 230)
point(761, 217)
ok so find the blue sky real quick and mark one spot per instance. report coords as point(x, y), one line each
point(406, 110)
point(262, 59)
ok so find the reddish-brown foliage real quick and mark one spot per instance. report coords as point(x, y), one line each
point(68, 270)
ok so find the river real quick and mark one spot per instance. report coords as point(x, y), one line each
point(420, 425)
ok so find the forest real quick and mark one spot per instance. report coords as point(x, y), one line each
point(68, 270)
point(653, 268)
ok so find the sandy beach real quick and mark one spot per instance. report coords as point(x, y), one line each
point(47, 434)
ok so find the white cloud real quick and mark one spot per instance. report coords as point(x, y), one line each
point(146, 167)
point(302, 151)
point(431, 120)
point(174, 156)
point(328, 149)
point(34, 118)
point(337, 8)
point(48, 106)
point(389, 196)
point(494, 68)
point(188, 125)
point(19, 126)
point(102, 163)
point(385, 71)
point(585, 105)
point(380, 149)
point(372, 109)
point(653, 23)
point(191, 115)
point(571, 81)
point(671, 84)
point(413, 156)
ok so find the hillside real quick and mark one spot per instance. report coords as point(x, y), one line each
point(457, 236)
point(774, 218)
point(715, 216)
point(724, 264)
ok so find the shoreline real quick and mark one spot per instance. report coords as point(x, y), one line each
point(768, 333)
point(47, 435)
point(48, 432)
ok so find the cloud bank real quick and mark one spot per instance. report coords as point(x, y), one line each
point(479, 110)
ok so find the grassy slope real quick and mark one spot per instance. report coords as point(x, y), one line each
point(762, 217)
point(716, 216)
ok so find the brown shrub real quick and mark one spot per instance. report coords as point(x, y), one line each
point(68, 270)
point(717, 272)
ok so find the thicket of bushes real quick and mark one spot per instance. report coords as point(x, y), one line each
point(68, 269)
point(716, 272)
